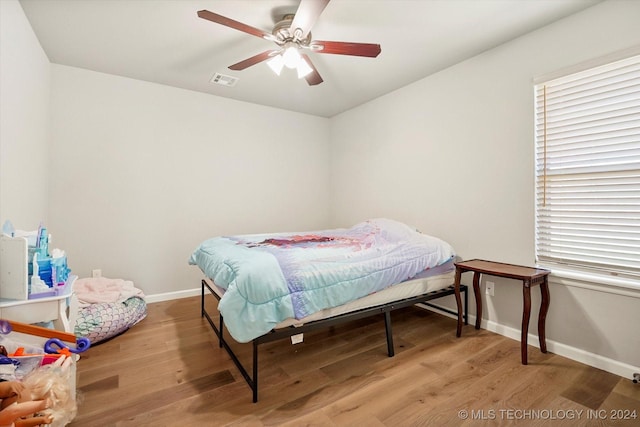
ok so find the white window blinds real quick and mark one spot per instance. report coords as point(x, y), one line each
point(588, 169)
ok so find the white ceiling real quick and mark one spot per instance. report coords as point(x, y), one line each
point(164, 41)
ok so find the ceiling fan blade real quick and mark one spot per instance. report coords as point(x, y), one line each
point(253, 60)
point(307, 15)
point(228, 22)
point(370, 50)
point(313, 78)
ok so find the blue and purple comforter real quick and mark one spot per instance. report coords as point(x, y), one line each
point(269, 278)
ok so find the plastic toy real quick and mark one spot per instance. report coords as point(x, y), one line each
point(43, 397)
point(18, 409)
point(82, 344)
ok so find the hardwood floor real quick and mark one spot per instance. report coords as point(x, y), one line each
point(169, 371)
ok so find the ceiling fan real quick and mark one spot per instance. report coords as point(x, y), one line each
point(293, 36)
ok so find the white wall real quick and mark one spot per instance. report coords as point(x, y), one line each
point(453, 155)
point(24, 121)
point(142, 173)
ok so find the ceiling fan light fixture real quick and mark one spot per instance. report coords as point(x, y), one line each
point(291, 57)
point(276, 63)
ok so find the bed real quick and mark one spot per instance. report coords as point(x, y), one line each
point(275, 286)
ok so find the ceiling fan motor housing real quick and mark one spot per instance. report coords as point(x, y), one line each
point(284, 34)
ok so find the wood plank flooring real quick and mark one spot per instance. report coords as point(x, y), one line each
point(169, 371)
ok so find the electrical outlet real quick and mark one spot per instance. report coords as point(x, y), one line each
point(490, 288)
point(96, 273)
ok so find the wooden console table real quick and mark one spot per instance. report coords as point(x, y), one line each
point(530, 277)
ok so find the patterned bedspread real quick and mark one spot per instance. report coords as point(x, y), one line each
point(269, 278)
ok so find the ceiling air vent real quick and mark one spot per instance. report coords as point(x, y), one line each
point(224, 80)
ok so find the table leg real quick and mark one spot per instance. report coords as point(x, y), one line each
point(478, 295)
point(64, 322)
point(526, 313)
point(542, 317)
point(456, 287)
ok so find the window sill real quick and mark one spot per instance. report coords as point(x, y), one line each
point(601, 283)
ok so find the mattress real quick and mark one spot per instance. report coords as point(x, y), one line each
point(433, 280)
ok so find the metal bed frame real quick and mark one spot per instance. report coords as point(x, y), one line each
point(386, 309)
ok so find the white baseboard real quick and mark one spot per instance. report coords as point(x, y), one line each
point(597, 361)
point(172, 295)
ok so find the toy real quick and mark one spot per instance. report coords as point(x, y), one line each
point(45, 392)
point(15, 407)
point(82, 344)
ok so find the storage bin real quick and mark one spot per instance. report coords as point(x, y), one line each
point(33, 339)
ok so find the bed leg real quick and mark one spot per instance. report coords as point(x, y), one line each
point(456, 289)
point(202, 300)
point(387, 327)
point(255, 372)
point(220, 339)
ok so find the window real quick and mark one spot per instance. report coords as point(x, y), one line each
point(588, 171)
